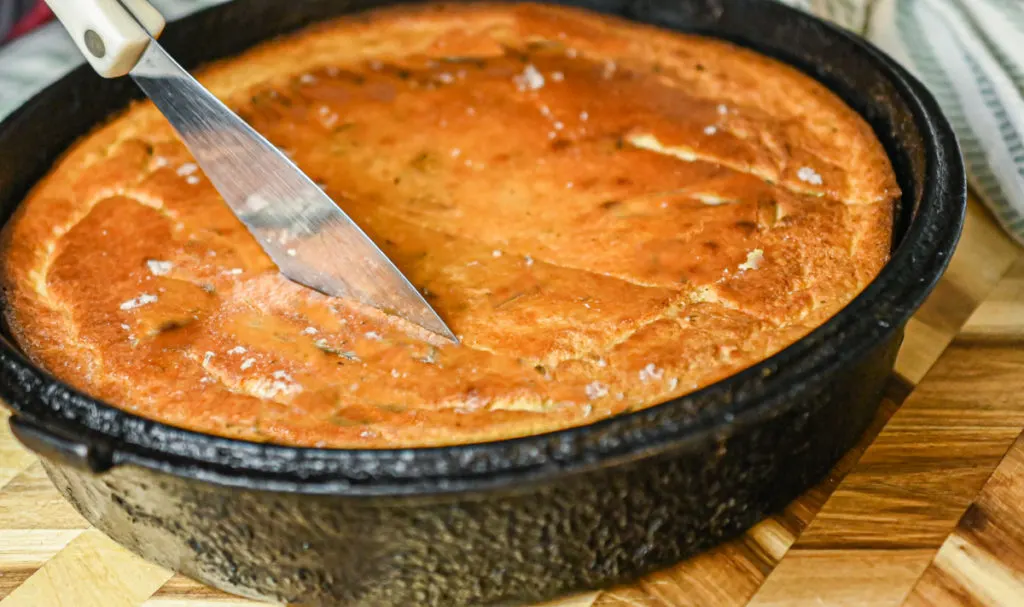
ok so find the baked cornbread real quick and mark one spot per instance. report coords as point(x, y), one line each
point(607, 214)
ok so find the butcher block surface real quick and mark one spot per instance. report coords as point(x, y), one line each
point(927, 510)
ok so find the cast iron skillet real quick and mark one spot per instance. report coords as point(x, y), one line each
point(518, 520)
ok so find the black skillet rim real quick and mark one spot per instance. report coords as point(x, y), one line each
point(113, 437)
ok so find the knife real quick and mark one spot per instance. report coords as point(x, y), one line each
point(312, 241)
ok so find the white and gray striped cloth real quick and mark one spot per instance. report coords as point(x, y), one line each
point(970, 53)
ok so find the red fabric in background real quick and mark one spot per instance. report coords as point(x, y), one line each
point(39, 15)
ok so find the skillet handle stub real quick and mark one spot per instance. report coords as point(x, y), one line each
point(109, 32)
point(60, 449)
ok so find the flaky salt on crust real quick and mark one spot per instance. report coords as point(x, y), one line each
point(608, 215)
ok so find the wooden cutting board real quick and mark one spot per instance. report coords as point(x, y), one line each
point(927, 510)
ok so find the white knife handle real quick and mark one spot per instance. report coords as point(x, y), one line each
point(107, 34)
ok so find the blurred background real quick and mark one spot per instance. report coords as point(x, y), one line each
point(20, 16)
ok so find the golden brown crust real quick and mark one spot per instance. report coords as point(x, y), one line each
point(608, 215)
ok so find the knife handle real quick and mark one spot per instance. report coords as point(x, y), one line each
point(109, 32)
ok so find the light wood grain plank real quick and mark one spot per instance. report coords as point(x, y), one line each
point(35, 524)
point(922, 345)
point(867, 577)
point(14, 459)
point(999, 317)
point(982, 561)
point(24, 551)
point(981, 260)
point(92, 571)
point(972, 576)
point(32, 547)
point(30, 501)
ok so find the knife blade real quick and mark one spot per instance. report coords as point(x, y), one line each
point(311, 239)
point(308, 236)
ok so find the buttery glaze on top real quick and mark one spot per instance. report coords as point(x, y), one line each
point(608, 215)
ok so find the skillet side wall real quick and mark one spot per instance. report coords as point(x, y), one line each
point(526, 544)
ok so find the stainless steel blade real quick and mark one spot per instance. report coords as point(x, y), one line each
point(311, 240)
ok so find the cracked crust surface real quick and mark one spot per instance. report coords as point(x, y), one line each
point(609, 215)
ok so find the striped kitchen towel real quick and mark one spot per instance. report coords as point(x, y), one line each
point(970, 53)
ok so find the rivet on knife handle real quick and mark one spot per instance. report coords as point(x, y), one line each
point(109, 37)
